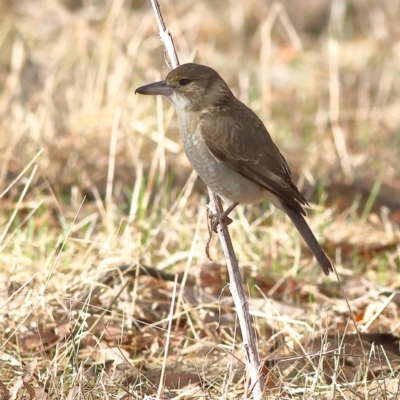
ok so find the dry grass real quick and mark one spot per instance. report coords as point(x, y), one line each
point(106, 189)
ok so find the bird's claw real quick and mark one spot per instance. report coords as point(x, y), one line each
point(215, 220)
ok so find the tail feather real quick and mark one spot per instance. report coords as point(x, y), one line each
point(305, 231)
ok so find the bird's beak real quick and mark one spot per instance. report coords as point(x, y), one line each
point(161, 87)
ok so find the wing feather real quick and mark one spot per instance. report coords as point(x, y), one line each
point(248, 149)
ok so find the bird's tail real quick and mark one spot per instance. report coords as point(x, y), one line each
point(305, 231)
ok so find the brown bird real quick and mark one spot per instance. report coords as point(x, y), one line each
point(230, 148)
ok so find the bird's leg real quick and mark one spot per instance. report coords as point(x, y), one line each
point(216, 219)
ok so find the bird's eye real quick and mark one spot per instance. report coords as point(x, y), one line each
point(184, 82)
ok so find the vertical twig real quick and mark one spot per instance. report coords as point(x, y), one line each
point(165, 35)
point(250, 349)
point(253, 365)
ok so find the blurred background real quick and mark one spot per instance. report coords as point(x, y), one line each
point(94, 179)
point(322, 75)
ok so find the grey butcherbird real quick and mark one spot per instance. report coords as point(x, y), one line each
point(230, 148)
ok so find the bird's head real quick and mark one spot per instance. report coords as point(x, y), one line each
point(190, 87)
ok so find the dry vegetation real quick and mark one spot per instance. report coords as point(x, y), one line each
point(100, 208)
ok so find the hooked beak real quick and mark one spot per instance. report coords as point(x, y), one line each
point(161, 87)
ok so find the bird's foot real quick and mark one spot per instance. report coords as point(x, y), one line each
point(215, 220)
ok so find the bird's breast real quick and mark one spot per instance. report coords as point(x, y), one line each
point(223, 180)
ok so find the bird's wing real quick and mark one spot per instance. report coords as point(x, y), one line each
point(247, 148)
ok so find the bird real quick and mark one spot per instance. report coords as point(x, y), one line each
point(230, 148)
